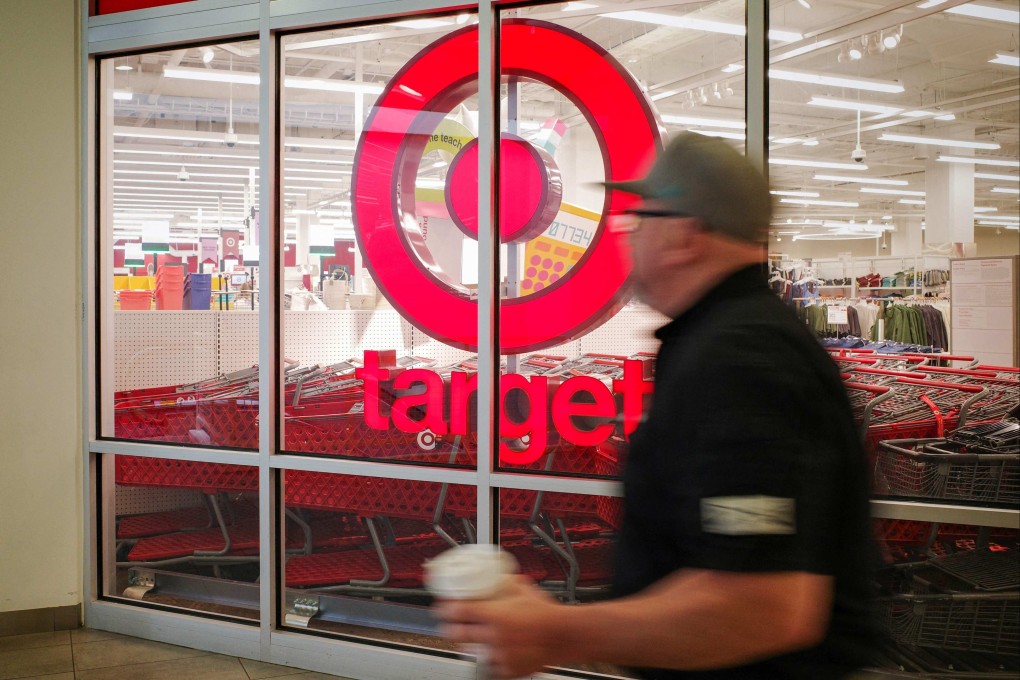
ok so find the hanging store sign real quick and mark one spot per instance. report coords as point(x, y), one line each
point(389, 154)
point(156, 237)
point(231, 244)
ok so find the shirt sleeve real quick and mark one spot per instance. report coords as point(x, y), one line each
point(766, 460)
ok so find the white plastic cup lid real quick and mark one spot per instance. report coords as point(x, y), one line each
point(472, 571)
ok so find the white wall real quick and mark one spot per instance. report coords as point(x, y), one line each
point(40, 499)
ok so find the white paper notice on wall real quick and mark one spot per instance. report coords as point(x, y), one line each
point(983, 312)
point(836, 314)
point(981, 271)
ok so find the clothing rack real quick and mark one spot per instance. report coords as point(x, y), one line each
point(883, 319)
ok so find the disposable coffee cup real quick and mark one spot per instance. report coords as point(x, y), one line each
point(470, 572)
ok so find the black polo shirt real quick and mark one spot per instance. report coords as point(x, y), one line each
point(749, 461)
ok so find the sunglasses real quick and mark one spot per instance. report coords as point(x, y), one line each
point(630, 220)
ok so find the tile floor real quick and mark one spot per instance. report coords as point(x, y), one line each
point(96, 655)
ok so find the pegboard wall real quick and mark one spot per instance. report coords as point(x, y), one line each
point(169, 348)
point(239, 340)
point(164, 348)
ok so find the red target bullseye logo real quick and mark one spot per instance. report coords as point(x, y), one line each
point(390, 151)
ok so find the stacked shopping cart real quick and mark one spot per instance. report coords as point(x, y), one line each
point(944, 434)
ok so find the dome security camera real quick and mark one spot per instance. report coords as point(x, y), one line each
point(230, 139)
point(858, 155)
point(183, 175)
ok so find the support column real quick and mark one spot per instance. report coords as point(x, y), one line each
point(949, 202)
point(906, 240)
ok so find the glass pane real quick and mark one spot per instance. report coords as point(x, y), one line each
point(379, 310)
point(893, 144)
point(179, 245)
point(564, 541)
point(183, 534)
point(579, 346)
point(358, 544)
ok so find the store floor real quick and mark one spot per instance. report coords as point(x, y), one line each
point(96, 655)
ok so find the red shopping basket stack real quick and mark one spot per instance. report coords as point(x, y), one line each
point(170, 287)
point(135, 300)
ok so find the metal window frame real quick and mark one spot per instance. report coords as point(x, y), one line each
point(205, 21)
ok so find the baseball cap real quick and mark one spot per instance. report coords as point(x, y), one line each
point(706, 177)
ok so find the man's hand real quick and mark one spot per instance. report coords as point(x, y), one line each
point(517, 628)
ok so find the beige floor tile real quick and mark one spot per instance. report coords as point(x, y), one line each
point(125, 651)
point(259, 670)
point(24, 663)
point(9, 643)
point(208, 667)
point(82, 635)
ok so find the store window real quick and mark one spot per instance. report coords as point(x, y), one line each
point(183, 534)
point(178, 230)
point(363, 243)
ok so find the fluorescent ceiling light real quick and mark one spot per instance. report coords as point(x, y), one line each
point(164, 173)
point(142, 214)
point(732, 68)
point(122, 95)
point(917, 139)
point(894, 192)
point(1005, 190)
point(870, 84)
point(1007, 59)
point(199, 154)
point(707, 122)
point(861, 180)
point(297, 82)
point(180, 135)
point(911, 201)
point(830, 165)
point(296, 178)
point(321, 171)
point(211, 75)
point(719, 133)
point(698, 24)
point(805, 194)
point(421, 23)
point(992, 175)
point(190, 165)
point(328, 85)
point(852, 105)
point(985, 209)
point(980, 160)
point(937, 115)
point(807, 201)
point(121, 182)
point(930, 3)
point(574, 6)
point(124, 67)
point(972, 9)
point(333, 144)
point(837, 236)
